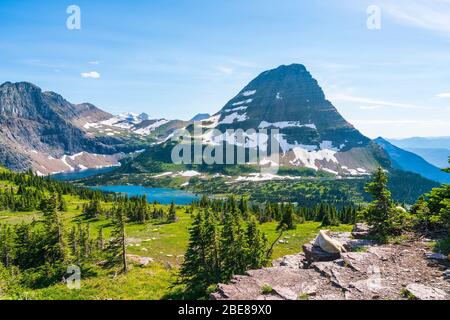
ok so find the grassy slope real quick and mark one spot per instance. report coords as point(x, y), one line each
point(165, 243)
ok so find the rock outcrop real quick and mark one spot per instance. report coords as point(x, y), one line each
point(373, 272)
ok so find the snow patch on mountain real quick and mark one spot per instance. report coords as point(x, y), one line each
point(131, 122)
point(248, 101)
point(285, 124)
point(234, 117)
point(308, 158)
point(249, 93)
point(147, 130)
point(236, 109)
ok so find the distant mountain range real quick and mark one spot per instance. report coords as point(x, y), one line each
point(408, 161)
point(43, 131)
point(435, 150)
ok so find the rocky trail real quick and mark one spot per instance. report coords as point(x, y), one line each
point(367, 271)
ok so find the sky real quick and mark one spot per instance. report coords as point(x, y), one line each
point(177, 58)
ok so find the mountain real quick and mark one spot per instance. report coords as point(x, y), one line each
point(201, 116)
point(43, 131)
point(435, 150)
point(312, 133)
point(409, 161)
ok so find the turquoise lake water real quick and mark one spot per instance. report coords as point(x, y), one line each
point(76, 175)
point(162, 195)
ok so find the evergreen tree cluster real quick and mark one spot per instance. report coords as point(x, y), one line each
point(287, 214)
point(222, 244)
point(24, 192)
point(432, 210)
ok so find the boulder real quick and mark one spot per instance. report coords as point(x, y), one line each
point(421, 292)
point(327, 243)
point(139, 260)
point(360, 231)
point(316, 254)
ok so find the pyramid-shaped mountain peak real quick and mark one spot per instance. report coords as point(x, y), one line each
point(288, 98)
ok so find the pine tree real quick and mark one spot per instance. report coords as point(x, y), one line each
point(201, 266)
point(287, 219)
point(117, 253)
point(256, 245)
point(73, 244)
point(100, 240)
point(172, 215)
point(54, 232)
point(6, 245)
point(380, 211)
point(232, 246)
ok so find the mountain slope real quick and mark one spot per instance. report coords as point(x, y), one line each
point(409, 161)
point(38, 129)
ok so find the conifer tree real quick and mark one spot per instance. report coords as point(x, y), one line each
point(73, 244)
point(287, 220)
point(100, 240)
point(201, 266)
point(380, 211)
point(232, 246)
point(172, 214)
point(256, 245)
point(117, 253)
point(54, 231)
point(6, 245)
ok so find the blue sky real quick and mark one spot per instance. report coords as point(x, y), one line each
point(174, 59)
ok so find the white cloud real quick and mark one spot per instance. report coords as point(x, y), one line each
point(91, 74)
point(443, 95)
point(94, 62)
point(375, 103)
point(225, 70)
point(427, 14)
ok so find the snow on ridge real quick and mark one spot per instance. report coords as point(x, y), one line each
point(236, 109)
point(64, 160)
point(308, 158)
point(189, 173)
point(214, 122)
point(249, 93)
point(286, 124)
point(152, 127)
point(330, 171)
point(73, 157)
point(243, 102)
point(229, 119)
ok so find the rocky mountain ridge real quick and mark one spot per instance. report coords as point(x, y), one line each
point(38, 129)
